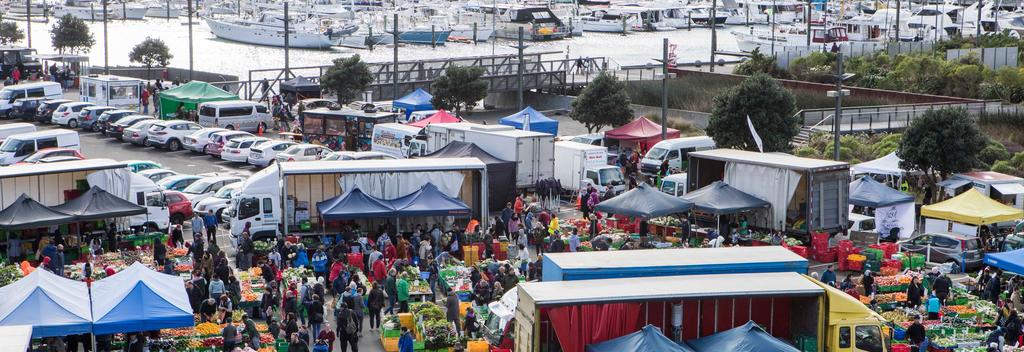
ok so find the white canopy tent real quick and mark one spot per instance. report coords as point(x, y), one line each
point(886, 165)
point(16, 337)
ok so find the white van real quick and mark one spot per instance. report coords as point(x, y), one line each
point(15, 128)
point(11, 93)
point(675, 151)
point(398, 140)
point(674, 184)
point(146, 193)
point(17, 147)
point(235, 115)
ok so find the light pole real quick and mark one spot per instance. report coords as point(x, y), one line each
point(838, 94)
point(664, 86)
point(28, 21)
point(519, 69)
point(190, 67)
point(106, 57)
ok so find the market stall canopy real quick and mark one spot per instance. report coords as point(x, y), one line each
point(418, 100)
point(1012, 261)
point(190, 94)
point(352, 205)
point(640, 130)
point(748, 337)
point(886, 165)
point(720, 198)
point(971, 207)
point(646, 202)
point(532, 120)
point(16, 337)
point(140, 299)
point(429, 201)
point(440, 116)
point(867, 192)
point(305, 86)
point(97, 204)
point(501, 174)
point(26, 213)
point(649, 338)
point(52, 305)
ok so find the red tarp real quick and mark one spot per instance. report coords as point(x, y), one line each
point(581, 325)
point(641, 131)
point(439, 117)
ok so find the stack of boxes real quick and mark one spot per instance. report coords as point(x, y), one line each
point(471, 255)
point(821, 251)
point(843, 253)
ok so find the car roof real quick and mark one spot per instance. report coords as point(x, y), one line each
point(142, 122)
point(156, 171)
point(78, 103)
point(175, 121)
point(230, 103)
point(140, 162)
point(57, 101)
point(220, 178)
point(180, 177)
point(231, 133)
point(97, 107)
point(121, 111)
point(52, 159)
point(253, 138)
point(305, 145)
point(32, 98)
point(54, 149)
point(135, 117)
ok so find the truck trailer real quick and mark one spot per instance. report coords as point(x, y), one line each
point(806, 195)
point(533, 152)
point(668, 262)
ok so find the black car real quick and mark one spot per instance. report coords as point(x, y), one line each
point(25, 108)
point(44, 114)
point(108, 118)
point(116, 129)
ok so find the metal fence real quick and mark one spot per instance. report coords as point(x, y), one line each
point(893, 117)
point(992, 58)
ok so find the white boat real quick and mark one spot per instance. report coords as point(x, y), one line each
point(18, 8)
point(878, 26)
point(88, 13)
point(160, 10)
point(539, 23)
point(462, 32)
point(269, 30)
point(605, 21)
point(762, 11)
point(701, 16)
point(646, 19)
point(128, 11)
point(789, 36)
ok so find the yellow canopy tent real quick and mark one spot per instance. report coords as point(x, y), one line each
point(972, 208)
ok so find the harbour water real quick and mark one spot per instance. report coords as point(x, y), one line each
point(216, 55)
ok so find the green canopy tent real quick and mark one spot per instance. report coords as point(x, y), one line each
point(190, 94)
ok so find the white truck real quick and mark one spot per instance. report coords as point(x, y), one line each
point(533, 152)
point(398, 140)
point(581, 165)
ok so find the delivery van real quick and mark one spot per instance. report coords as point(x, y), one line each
point(15, 128)
point(580, 165)
point(18, 147)
point(675, 151)
point(674, 184)
point(398, 140)
point(9, 94)
point(235, 115)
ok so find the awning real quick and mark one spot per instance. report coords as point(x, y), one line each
point(531, 120)
point(52, 305)
point(640, 130)
point(720, 198)
point(746, 338)
point(429, 201)
point(16, 337)
point(1009, 188)
point(1012, 261)
point(646, 202)
point(97, 204)
point(972, 208)
point(886, 165)
point(953, 183)
point(352, 205)
point(439, 117)
point(867, 192)
point(140, 299)
point(418, 100)
point(26, 213)
point(650, 338)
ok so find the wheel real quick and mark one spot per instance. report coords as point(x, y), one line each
point(177, 219)
point(206, 149)
point(230, 127)
point(73, 123)
point(173, 145)
point(146, 143)
point(95, 127)
point(956, 267)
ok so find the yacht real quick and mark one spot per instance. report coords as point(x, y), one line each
point(127, 11)
point(161, 10)
point(646, 19)
point(762, 11)
point(605, 21)
point(789, 36)
point(84, 10)
point(464, 32)
point(18, 8)
point(269, 30)
point(700, 15)
point(539, 23)
point(874, 27)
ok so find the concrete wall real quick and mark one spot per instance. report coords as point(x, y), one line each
point(173, 73)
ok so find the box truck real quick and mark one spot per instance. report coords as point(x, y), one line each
point(398, 140)
point(581, 165)
point(668, 262)
point(533, 152)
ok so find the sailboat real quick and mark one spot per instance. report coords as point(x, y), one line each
point(269, 30)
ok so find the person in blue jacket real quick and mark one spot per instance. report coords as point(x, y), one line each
point(933, 307)
point(301, 257)
point(405, 343)
point(319, 262)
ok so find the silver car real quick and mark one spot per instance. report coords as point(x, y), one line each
point(138, 133)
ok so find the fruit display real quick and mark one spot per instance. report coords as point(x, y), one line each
point(205, 329)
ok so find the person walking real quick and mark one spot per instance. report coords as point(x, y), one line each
point(347, 333)
point(210, 222)
point(452, 310)
point(933, 307)
point(375, 303)
point(228, 334)
point(144, 99)
point(402, 288)
point(391, 291)
point(916, 335)
point(316, 315)
point(914, 293)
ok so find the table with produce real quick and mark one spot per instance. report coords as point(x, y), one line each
point(252, 285)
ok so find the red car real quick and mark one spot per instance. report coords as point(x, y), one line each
point(178, 207)
point(53, 154)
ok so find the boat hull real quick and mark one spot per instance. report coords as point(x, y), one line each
point(266, 35)
point(129, 12)
point(161, 12)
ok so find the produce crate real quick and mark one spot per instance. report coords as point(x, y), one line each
point(390, 344)
point(281, 345)
point(916, 261)
point(476, 346)
point(900, 348)
point(390, 333)
point(406, 320)
point(419, 345)
point(855, 265)
point(807, 343)
point(799, 250)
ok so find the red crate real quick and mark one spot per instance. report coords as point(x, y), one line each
point(899, 347)
point(892, 263)
point(845, 244)
point(843, 264)
point(356, 260)
point(855, 265)
point(799, 250)
point(827, 257)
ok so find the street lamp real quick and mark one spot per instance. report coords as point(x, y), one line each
point(838, 94)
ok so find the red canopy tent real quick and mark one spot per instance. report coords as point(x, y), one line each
point(439, 117)
point(641, 131)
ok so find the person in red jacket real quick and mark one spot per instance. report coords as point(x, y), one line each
point(390, 252)
point(336, 269)
point(379, 271)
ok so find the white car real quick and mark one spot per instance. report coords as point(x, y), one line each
point(207, 186)
point(237, 150)
point(138, 133)
point(156, 175)
point(266, 153)
point(217, 202)
point(198, 140)
point(349, 155)
point(171, 133)
point(302, 152)
point(67, 114)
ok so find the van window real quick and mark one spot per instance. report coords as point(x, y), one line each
point(27, 147)
point(90, 90)
point(155, 199)
point(592, 176)
point(247, 208)
point(668, 187)
point(124, 92)
point(674, 154)
point(657, 153)
point(36, 93)
point(262, 109)
point(208, 111)
point(945, 242)
point(867, 225)
point(844, 337)
point(236, 111)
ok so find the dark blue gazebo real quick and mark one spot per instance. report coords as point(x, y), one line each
point(720, 198)
point(352, 205)
point(429, 201)
point(748, 337)
point(867, 192)
point(644, 202)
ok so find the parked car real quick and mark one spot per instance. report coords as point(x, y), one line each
point(44, 114)
point(177, 182)
point(207, 186)
point(219, 139)
point(316, 103)
point(198, 140)
point(67, 113)
point(117, 129)
point(266, 153)
point(49, 153)
point(89, 115)
point(156, 175)
point(141, 165)
point(17, 147)
point(138, 133)
point(964, 252)
point(242, 115)
point(237, 149)
point(302, 152)
point(348, 155)
point(178, 206)
point(170, 134)
point(108, 118)
point(25, 108)
point(216, 202)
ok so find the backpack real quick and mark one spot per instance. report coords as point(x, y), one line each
point(318, 289)
point(307, 296)
point(350, 323)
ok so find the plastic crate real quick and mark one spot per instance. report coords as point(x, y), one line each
point(476, 346)
point(391, 333)
point(900, 348)
point(390, 344)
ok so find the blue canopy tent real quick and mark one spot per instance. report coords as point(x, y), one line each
point(867, 192)
point(748, 337)
point(418, 100)
point(720, 198)
point(649, 338)
point(140, 299)
point(52, 305)
point(354, 204)
point(531, 120)
point(645, 202)
point(1012, 261)
point(429, 201)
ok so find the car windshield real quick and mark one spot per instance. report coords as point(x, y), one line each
point(167, 182)
point(6, 94)
point(657, 153)
point(224, 193)
point(611, 176)
point(292, 150)
point(332, 156)
point(11, 145)
point(159, 176)
point(198, 187)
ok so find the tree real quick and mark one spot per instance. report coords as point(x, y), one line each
point(71, 35)
point(151, 53)
point(604, 102)
point(347, 78)
point(459, 88)
point(942, 141)
point(760, 63)
point(10, 33)
point(770, 108)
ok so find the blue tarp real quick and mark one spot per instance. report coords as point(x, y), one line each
point(746, 338)
point(418, 100)
point(649, 338)
point(52, 305)
point(720, 198)
point(534, 119)
point(352, 205)
point(867, 192)
point(1012, 261)
point(645, 202)
point(429, 201)
point(140, 299)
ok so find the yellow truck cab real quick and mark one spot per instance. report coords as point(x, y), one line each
point(852, 327)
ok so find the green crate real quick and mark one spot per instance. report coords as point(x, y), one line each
point(391, 333)
point(419, 345)
point(281, 346)
point(807, 343)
